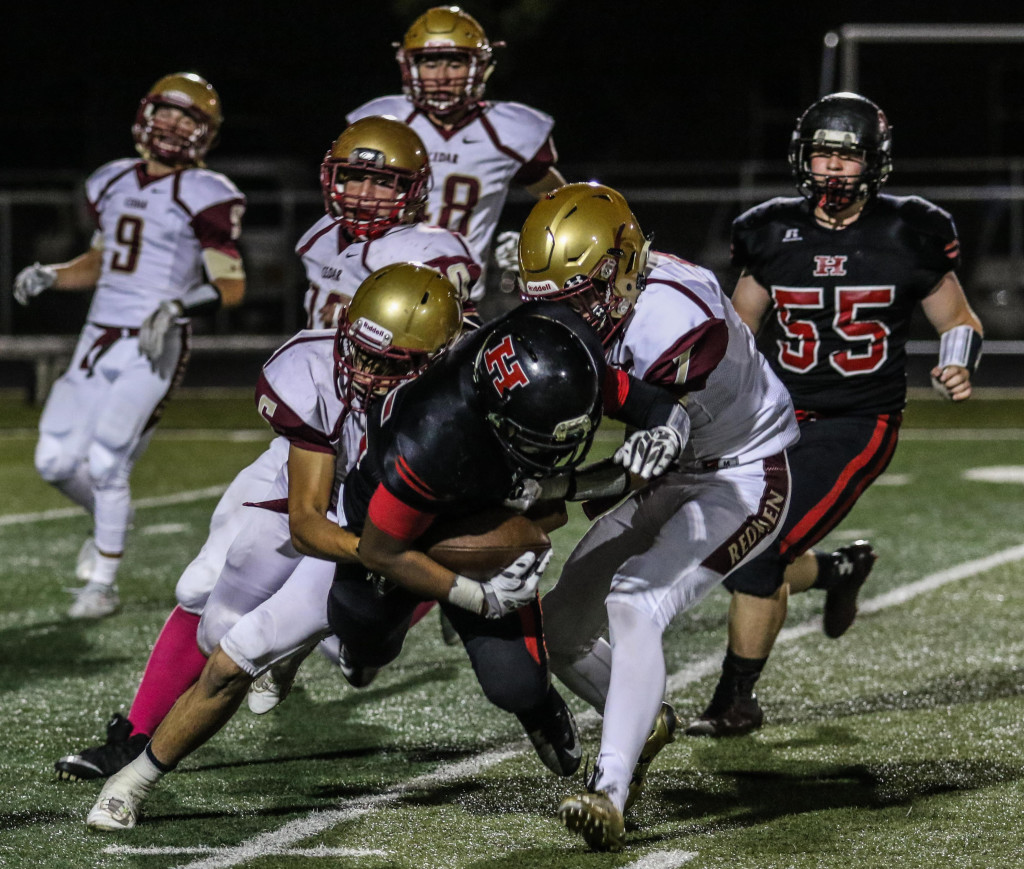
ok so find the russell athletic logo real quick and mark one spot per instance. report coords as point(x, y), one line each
point(505, 370)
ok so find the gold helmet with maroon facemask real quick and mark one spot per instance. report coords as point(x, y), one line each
point(390, 154)
point(445, 31)
point(401, 317)
point(166, 141)
point(581, 243)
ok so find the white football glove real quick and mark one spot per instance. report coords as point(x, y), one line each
point(154, 330)
point(650, 452)
point(32, 280)
point(515, 586)
point(503, 593)
point(506, 251)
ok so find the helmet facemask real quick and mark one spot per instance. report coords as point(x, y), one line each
point(437, 96)
point(369, 366)
point(605, 296)
point(365, 215)
point(442, 33)
point(853, 127)
point(543, 453)
point(169, 141)
point(402, 316)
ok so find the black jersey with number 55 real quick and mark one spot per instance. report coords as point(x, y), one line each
point(843, 299)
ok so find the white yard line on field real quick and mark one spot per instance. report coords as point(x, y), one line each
point(141, 504)
point(238, 435)
point(280, 841)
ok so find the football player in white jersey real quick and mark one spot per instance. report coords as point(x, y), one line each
point(342, 264)
point(722, 499)
point(269, 603)
point(375, 177)
point(165, 248)
point(477, 147)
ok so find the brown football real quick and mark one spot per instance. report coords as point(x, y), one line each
point(480, 544)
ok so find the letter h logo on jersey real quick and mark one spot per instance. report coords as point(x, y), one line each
point(830, 266)
point(505, 370)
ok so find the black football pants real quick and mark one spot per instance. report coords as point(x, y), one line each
point(508, 655)
point(835, 460)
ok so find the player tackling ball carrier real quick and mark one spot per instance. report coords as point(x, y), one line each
point(721, 499)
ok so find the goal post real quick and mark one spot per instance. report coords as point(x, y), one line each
point(844, 44)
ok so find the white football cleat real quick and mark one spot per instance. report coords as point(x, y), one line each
point(119, 804)
point(94, 601)
point(85, 563)
point(268, 691)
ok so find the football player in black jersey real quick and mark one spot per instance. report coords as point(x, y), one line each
point(516, 401)
point(836, 274)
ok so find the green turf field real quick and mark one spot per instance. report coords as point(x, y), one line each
point(897, 745)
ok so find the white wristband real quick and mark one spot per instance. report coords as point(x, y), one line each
point(961, 346)
point(467, 594)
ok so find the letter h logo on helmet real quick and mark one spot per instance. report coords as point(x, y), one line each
point(505, 370)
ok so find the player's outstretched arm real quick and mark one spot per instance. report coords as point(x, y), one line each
point(81, 273)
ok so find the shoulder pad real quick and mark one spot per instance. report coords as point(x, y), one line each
point(760, 215)
point(396, 105)
point(920, 214)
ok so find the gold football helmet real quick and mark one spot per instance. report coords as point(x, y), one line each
point(402, 316)
point(441, 31)
point(156, 140)
point(388, 153)
point(582, 243)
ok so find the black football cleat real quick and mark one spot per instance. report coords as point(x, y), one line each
point(357, 676)
point(100, 761)
point(853, 563)
point(557, 742)
point(742, 715)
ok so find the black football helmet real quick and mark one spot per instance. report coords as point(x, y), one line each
point(538, 384)
point(849, 123)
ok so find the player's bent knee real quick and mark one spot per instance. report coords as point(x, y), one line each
point(761, 577)
point(52, 460)
point(513, 685)
point(105, 464)
point(250, 641)
point(194, 586)
point(214, 624)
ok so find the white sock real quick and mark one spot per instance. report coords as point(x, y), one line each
point(635, 692)
point(105, 571)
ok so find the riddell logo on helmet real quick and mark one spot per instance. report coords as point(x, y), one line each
point(541, 288)
point(505, 370)
point(369, 333)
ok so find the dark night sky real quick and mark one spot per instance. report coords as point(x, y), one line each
point(642, 82)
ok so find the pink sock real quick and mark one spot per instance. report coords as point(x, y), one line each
point(421, 610)
point(174, 665)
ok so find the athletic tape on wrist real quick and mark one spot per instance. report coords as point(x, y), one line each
point(961, 346)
